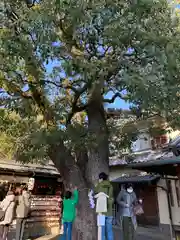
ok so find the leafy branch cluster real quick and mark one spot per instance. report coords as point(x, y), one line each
point(62, 57)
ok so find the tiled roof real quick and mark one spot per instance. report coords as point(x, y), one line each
point(12, 165)
point(140, 157)
point(115, 161)
point(153, 155)
point(135, 179)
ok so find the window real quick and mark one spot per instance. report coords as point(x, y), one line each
point(159, 141)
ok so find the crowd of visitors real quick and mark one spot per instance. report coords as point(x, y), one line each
point(128, 204)
point(16, 204)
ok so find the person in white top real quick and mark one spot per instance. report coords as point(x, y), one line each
point(7, 207)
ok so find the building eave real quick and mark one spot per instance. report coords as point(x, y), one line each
point(161, 166)
point(11, 166)
point(137, 179)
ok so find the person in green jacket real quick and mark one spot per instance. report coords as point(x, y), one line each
point(69, 212)
point(106, 187)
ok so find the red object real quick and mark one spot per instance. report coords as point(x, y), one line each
point(159, 141)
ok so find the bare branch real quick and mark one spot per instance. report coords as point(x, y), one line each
point(60, 85)
point(105, 52)
point(18, 91)
point(75, 110)
point(114, 98)
point(75, 107)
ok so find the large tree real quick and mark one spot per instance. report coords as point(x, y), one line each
point(60, 58)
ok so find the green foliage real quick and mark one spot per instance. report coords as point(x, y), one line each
point(85, 44)
point(123, 132)
point(25, 136)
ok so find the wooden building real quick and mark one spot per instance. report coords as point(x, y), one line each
point(168, 192)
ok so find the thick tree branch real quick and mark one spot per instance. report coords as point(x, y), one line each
point(75, 107)
point(67, 34)
point(12, 88)
point(59, 85)
point(114, 98)
point(75, 110)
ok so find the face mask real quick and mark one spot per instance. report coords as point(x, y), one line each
point(100, 180)
point(130, 190)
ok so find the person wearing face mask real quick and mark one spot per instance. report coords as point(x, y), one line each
point(127, 200)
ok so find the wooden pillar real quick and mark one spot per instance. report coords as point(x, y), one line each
point(178, 171)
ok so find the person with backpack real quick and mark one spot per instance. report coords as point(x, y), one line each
point(104, 186)
point(69, 212)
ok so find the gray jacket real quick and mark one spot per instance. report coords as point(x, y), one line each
point(122, 200)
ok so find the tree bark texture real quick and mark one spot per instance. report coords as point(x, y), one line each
point(72, 175)
point(84, 173)
point(98, 152)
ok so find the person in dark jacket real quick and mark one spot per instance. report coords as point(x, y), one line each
point(127, 200)
point(105, 186)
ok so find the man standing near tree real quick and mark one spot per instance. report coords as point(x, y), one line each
point(22, 210)
point(105, 186)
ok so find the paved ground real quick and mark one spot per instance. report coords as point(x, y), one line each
point(142, 234)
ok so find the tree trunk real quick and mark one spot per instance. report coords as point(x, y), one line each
point(73, 172)
point(82, 160)
point(98, 153)
point(72, 175)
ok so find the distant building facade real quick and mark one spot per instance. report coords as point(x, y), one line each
point(151, 188)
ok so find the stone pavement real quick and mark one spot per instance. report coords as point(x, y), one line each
point(143, 234)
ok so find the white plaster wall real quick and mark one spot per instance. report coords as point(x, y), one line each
point(173, 134)
point(163, 203)
point(142, 143)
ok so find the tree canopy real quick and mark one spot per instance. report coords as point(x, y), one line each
point(58, 56)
